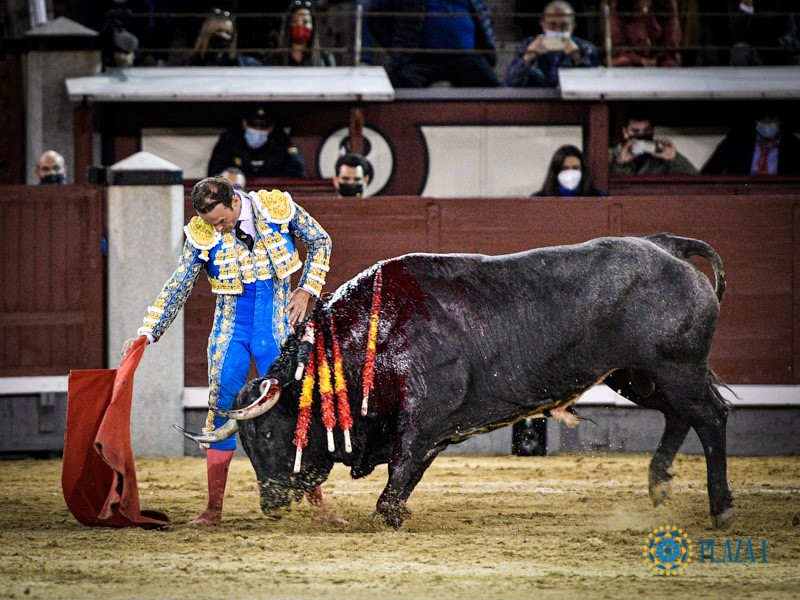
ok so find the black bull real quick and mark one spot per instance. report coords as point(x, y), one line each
point(468, 343)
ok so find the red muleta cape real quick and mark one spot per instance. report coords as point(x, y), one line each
point(98, 474)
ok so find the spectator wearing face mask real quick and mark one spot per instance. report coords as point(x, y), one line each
point(647, 31)
point(568, 175)
point(640, 153)
point(351, 175)
point(216, 44)
point(540, 57)
point(259, 148)
point(767, 147)
point(298, 45)
point(51, 169)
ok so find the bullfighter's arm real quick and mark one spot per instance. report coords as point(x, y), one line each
point(174, 294)
point(318, 250)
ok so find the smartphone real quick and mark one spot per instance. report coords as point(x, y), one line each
point(644, 147)
point(554, 44)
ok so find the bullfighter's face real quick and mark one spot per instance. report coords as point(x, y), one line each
point(223, 218)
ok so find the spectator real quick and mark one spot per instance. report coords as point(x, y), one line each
point(588, 24)
point(216, 44)
point(236, 178)
point(647, 31)
point(641, 154)
point(568, 175)
point(768, 148)
point(259, 148)
point(298, 44)
point(763, 33)
point(540, 57)
point(51, 168)
point(468, 32)
point(350, 176)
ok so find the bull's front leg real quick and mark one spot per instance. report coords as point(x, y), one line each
point(409, 461)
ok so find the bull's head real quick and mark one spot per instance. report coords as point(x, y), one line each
point(265, 414)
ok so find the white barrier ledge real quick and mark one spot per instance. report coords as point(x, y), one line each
point(683, 83)
point(20, 386)
point(233, 84)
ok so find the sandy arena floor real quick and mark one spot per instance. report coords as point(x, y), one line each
point(483, 527)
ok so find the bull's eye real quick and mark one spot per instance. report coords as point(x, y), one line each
point(269, 434)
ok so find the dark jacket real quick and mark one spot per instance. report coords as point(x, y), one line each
point(278, 157)
point(406, 32)
point(734, 154)
point(543, 71)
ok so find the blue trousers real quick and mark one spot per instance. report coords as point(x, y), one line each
point(235, 340)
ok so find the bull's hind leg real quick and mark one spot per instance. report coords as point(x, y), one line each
point(661, 471)
point(640, 388)
point(693, 398)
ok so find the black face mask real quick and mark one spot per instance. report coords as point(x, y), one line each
point(217, 42)
point(351, 189)
point(57, 178)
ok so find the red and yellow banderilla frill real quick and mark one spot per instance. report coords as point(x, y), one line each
point(368, 374)
point(325, 389)
point(340, 387)
point(304, 416)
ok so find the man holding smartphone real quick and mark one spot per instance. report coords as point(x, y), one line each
point(641, 154)
point(540, 57)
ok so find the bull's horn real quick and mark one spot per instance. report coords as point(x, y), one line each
point(270, 394)
point(219, 434)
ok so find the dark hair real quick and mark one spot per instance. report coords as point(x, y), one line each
point(550, 186)
point(351, 159)
point(638, 114)
point(209, 192)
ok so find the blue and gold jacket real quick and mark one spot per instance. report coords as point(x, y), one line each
point(229, 264)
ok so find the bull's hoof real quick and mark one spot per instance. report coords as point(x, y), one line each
point(659, 491)
point(724, 520)
point(392, 514)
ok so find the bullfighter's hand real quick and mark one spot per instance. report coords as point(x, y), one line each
point(128, 344)
point(300, 305)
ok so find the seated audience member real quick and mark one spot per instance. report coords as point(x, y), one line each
point(51, 168)
point(641, 154)
point(259, 148)
point(350, 176)
point(763, 32)
point(421, 69)
point(647, 31)
point(236, 177)
point(298, 43)
point(766, 148)
point(568, 175)
point(540, 57)
point(216, 44)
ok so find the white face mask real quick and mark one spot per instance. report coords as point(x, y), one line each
point(570, 179)
point(255, 138)
point(563, 35)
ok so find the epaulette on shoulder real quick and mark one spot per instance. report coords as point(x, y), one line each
point(201, 235)
point(275, 206)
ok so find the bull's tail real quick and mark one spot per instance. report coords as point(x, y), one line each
point(716, 383)
point(684, 248)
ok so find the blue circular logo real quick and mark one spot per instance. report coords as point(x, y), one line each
point(668, 550)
